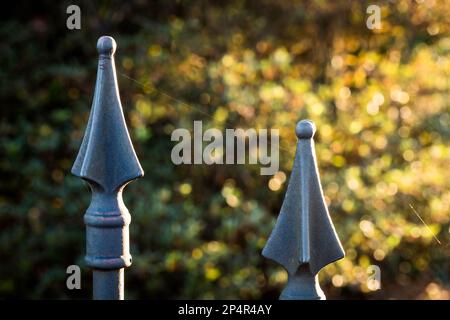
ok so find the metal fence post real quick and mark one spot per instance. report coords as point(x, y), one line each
point(304, 239)
point(107, 161)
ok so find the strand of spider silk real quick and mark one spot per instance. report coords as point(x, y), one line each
point(426, 225)
point(165, 94)
point(144, 86)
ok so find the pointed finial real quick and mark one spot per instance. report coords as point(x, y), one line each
point(304, 239)
point(107, 161)
point(106, 155)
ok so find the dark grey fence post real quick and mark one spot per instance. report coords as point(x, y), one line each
point(107, 161)
point(304, 239)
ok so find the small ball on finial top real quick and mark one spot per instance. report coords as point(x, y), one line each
point(305, 129)
point(106, 45)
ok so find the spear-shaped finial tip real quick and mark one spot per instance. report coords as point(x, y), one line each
point(106, 45)
point(106, 154)
point(304, 239)
point(305, 129)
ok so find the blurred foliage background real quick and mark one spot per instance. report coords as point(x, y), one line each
point(380, 99)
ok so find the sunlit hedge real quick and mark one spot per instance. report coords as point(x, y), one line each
point(380, 100)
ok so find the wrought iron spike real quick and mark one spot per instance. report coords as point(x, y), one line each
point(106, 156)
point(304, 239)
point(108, 162)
